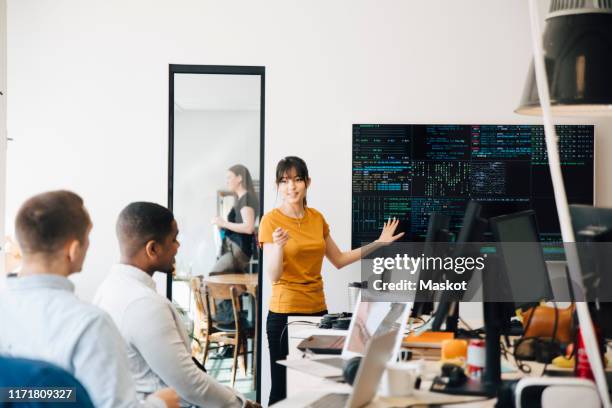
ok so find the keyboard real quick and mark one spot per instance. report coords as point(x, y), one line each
point(331, 401)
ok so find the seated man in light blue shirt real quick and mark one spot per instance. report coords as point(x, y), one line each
point(157, 342)
point(42, 319)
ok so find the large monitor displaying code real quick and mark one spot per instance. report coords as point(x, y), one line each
point(410, 171)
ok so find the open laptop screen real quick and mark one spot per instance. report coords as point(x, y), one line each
point(374, 319)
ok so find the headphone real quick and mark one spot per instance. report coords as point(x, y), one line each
point(349, 372)
point(454, 374)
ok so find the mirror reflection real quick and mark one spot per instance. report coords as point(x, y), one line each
point(216, 202)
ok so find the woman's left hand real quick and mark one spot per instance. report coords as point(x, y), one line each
point(218, 221)
point(386, 236)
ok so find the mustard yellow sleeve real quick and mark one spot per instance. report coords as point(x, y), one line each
point(265, 229)
point(325, 227)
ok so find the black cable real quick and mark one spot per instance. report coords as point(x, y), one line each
point(575, 331)
point(554, 335)
point(306, 322)
point(519, 363)
point(525, 368)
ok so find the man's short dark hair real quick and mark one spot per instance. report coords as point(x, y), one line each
point(141, 222)
point(47, 221)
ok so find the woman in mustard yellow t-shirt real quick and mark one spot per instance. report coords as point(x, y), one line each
point(295, 239)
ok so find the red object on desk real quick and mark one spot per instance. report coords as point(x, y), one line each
point(476, 358)
point(583, 366)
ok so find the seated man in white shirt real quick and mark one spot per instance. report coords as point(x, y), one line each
point(157, 341)
point(42, 319)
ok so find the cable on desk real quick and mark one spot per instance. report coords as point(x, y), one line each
point(304, 322)
point(410, 328)
point(465, 324)
point(518, 362)
point(525, 368)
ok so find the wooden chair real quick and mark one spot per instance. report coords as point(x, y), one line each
point(200, 325)
point(236, 333)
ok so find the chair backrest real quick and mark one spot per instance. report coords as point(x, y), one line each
point(202, 315)
point(223, 291)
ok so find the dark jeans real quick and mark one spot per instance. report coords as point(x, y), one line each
point(278, 343)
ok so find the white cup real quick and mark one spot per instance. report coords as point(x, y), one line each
point(401, 377)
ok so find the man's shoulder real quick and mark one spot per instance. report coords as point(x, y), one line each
point(149, 301)
point(74, 308)
point(117, 287)
point(93, 316)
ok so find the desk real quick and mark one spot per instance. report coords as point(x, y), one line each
point(250, 280)
point(303, 388)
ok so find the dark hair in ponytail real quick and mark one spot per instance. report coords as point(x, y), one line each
point(288, 163)
point(247, 183)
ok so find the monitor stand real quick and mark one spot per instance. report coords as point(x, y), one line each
point(491, 383)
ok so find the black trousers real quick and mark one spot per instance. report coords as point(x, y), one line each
point(278, 344)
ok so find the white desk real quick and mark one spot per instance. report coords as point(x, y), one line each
point(303, 389)
point(305, 398)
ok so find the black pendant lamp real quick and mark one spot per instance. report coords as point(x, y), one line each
point(578, 57)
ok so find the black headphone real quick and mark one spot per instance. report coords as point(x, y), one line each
point(349, 371)
point(455, 374)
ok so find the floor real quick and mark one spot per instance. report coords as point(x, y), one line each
point(221, 369)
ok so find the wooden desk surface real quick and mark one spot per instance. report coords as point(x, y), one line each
point(248, 279)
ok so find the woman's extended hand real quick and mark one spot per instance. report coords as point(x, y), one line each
point(280, 237)
point(386, 236)
point(218, 221)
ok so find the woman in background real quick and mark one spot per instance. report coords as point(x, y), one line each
point(237, 231)
point(237, 238)
point(295, 238)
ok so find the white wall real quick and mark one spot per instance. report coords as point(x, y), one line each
point(88, 81)
point(2, 134)
point(88, 90)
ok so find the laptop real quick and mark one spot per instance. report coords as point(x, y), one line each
point(378, 351)
point(369, 319)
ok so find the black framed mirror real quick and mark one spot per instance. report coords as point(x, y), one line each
point(215, 190)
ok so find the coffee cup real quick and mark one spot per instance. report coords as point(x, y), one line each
point(401, 377)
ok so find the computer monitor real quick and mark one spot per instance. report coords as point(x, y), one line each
point(525, 266)
point(505, 268)
point(437, 233)
point(594, 225)
point(409, 171)
point(472, 230)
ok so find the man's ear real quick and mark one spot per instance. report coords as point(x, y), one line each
point(151, 249)
point(73, 247)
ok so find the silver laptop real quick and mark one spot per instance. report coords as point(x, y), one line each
point(369, 319)
point(378, 352)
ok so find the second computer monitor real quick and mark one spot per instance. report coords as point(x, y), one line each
point(522, 258)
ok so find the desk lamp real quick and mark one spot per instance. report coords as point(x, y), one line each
point(571, 74)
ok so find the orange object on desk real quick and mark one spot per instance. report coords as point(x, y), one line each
point(454, 349)
point(429, 339)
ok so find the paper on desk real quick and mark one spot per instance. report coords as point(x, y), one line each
point(310, 366)
point(422, 398)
